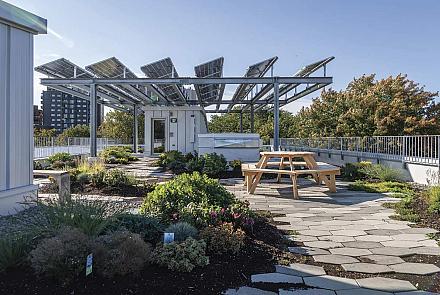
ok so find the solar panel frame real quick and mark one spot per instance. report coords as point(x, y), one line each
point(210, 93)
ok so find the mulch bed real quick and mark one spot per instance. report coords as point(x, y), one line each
point(263, 249)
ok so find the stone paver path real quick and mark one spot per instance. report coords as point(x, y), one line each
point(347, 228)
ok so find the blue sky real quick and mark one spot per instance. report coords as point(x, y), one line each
point(386, 37)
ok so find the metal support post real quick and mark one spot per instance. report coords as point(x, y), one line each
point(135, 129)
point(276, 116)
point(252, 118)
point(93, 121)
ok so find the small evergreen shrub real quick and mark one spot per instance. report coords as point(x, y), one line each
point(172, 160)
point(214, 165)
point(148, 227)
point(62, 157)
point(195, 165)
point(434, 199)
point(183, 257)
point(120, 253)
point(223, 238)
point(182, 231)
point(62, 257)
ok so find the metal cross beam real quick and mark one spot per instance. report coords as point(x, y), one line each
point(189, 81)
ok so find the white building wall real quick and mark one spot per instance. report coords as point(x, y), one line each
point(182, 135)
point(17, 28)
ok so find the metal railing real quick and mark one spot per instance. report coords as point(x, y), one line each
point(422, 149)
point(46, 146)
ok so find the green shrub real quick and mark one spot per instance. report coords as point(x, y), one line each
point(117, 178)
point(235, 165)
point(191, 197)
point(195, 165)
point(405, 211)
point(120, 253)
point(148, 227)
point(383, 187)
point(214, 165)
point(63, 256)
point(117, 155)
point(354, 171)
point(223, 238)
point(172, 160)
point(434, 199)
point(13, 250)
point(183, 257)
point(62, 157)
point(182, 231)
point(92, 217)
point(382, 173)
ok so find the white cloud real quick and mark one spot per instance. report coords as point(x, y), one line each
point(66, 41)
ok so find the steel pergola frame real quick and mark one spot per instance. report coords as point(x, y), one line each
point(111, 83)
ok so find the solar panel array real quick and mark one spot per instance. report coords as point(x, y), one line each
point(123, 96)
point(164, 68)
point(254, 71)
point(210, 93)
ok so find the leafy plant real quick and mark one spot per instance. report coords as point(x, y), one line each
point(214, 164)
point(148, 227)
point(13, 250)
point(120, 253)
point(190, 197)
point(183, 257)
point(405, 211)
point(63, 256)
point(172, 160)
point(117, 178)
point(223, 238)
point(433, 194)
point(182, 231)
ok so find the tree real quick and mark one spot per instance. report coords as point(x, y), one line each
point(391, 106)
point(42, 132)
point(119, 125)
point(75, 131)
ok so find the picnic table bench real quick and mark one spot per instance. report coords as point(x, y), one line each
point(321, 172)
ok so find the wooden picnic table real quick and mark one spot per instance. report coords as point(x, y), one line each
point(321, 172)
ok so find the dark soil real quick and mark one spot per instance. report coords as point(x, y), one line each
point(264, 248)
point(427, 219)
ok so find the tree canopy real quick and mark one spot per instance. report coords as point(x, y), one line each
point(119, 125)
point(391, 106)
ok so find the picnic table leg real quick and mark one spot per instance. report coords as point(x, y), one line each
point(281, 168)
point(294, 187)
point(255, 182)
point(330, 182)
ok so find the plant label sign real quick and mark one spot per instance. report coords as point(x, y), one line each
point(168, 238)
point(89, 264)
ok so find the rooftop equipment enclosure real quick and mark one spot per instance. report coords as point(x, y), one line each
point(17, 28)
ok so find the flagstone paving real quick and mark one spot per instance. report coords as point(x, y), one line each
point(347, 228)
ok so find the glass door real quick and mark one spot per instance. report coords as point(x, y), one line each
point(158, 136)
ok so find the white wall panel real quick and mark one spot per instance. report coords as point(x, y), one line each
point(4, 44)
point(20, 107)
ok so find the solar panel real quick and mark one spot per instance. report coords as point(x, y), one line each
point(164, 68)
point(209, 93)
point(253, 71)
point(114, 69)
